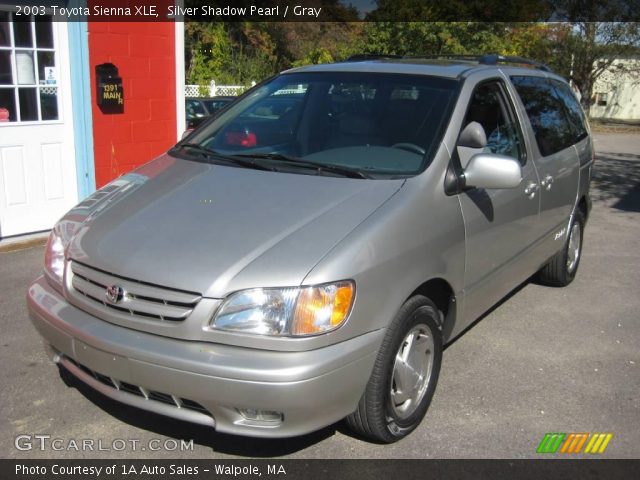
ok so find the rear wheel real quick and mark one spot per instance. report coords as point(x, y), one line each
point(562, 268)
point(404, 376)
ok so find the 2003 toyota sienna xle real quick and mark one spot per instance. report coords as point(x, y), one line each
point(304, 256)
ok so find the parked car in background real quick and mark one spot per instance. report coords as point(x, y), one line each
point(199, 109)
point(305, 256)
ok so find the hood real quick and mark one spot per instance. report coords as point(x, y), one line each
point(215, 229)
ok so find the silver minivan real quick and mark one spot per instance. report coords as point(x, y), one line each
point(304, 256)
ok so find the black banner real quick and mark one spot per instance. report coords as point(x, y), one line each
point(319, 469)
point(331, 10)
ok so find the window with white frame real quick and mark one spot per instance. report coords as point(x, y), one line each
point(28, 69)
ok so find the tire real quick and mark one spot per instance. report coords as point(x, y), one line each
point(389, 410)
point(562, 268)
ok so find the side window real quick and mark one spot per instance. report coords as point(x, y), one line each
point(575, 114)
point(489, 107)
point(195, 109)
point(546, 112)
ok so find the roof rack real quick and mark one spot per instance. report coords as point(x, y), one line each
point(494, 59)
point(371, 56)
point(487, 59)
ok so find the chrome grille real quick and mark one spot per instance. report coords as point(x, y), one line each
point(140, 299)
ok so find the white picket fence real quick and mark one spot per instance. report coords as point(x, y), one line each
point(232, 90)
point(213, 90)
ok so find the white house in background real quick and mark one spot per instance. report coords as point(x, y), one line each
point(617, 91)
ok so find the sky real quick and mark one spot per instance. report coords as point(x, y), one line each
point(363, 6)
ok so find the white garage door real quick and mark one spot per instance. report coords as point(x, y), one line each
point(37, 155)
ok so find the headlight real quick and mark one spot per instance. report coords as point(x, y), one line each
point(54, 254)
point(54, 257)
point(287, 311)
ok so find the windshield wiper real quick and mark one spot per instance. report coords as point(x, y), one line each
point(233, 159)
point(319, 167)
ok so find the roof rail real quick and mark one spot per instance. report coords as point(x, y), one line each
point(487, 59)
point(360, 57)
point(493, 59)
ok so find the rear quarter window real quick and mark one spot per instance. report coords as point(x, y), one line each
point(575, 114)
point(547, 113)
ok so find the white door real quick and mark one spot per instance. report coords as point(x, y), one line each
point(37, 154)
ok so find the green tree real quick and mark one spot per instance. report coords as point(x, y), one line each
point(299, 43)
point(582, 48)
point(207, 52)
point(542, 42)
point(592, 48)
point(242, 52)
point(461, 10)
point(435, 38)
point(253, 52)
point(315, 56)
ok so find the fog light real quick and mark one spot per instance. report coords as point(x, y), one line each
point(260, 416)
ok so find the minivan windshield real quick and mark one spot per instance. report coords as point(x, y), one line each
point(371, 124)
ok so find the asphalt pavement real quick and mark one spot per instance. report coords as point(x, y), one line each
point(544, 360)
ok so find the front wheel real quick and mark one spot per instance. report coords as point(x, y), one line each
point(562, 268)
point(404, 376)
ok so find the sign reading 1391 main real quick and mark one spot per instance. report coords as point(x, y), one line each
point(111, 94)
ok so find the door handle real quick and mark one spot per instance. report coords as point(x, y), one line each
point(546, 182)
point(531, 190)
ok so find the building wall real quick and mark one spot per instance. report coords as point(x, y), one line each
point(145, 55)
point(617, 92)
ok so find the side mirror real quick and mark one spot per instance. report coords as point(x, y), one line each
point(488, 170)
point(473, 136)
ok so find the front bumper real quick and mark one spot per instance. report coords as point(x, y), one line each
point(310, 389)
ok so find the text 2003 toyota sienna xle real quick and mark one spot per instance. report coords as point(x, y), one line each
point(304, 256)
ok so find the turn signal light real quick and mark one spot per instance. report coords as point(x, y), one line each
point(322, 308)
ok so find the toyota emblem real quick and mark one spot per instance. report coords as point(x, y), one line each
point(114, 293)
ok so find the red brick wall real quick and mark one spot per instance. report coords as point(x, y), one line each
point(144, 53)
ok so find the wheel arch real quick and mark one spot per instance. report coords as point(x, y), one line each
point(440, 292)
point(584, 206)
